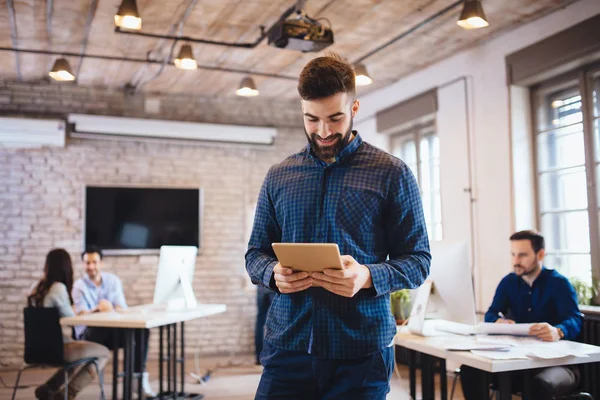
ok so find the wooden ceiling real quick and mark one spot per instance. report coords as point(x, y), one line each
point(360, 26)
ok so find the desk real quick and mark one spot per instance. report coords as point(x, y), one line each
point(434, 347)
point(133, 323)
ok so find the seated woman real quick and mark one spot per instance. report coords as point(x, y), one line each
point(54, 290)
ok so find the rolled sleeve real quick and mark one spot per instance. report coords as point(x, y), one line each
point(119, 296)
point(78, 294)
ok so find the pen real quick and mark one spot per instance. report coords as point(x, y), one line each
point(501, 315)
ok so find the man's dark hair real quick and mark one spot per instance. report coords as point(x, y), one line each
point(326, 76)
point(92, 250)
point(537, 240)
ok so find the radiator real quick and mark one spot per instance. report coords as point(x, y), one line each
point(590, 373)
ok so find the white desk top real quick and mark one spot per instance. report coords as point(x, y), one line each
point(143, 320)
point(435, 346)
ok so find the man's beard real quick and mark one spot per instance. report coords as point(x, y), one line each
point(526, 271)
point(329, 152)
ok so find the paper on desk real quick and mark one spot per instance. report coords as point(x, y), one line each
point(476, 346)
point(504, 329)
point(511, 354)
point(508, 340)
point(550, 353)
point(534, 349)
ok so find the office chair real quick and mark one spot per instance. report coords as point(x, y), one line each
point(573, 396)
point(44, 346)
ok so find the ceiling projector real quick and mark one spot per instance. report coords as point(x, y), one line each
point(304, 35)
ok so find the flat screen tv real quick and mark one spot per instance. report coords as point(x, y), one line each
point(132, 220)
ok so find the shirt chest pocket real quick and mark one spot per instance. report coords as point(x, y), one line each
point(359, 210)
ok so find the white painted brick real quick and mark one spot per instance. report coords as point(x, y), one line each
point(41, 196)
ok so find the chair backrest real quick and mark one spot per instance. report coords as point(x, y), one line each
point(43, 336)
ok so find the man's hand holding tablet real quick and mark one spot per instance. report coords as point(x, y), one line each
point(303, 265)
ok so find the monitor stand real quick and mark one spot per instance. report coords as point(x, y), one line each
point(188, 300)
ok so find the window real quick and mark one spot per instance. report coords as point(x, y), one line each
point(567, 142)
point(419, 148)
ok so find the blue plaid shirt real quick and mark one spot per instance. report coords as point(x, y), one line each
point(367, 202)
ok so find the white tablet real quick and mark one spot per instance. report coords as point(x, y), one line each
point(309, 257)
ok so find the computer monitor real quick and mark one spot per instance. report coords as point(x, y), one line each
point(451, 296)
point(174, 277)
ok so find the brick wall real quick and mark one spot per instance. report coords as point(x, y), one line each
point(41, 194)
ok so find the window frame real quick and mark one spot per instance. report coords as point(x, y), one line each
point(583, 79)
point(416, 132)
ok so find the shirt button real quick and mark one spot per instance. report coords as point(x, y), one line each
point(529, 309)
point(529, 292)
point(320, 235)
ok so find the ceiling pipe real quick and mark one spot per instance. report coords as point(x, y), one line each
point(411, 30)
point(88, 27)
point(148, 61)
point(251, 45)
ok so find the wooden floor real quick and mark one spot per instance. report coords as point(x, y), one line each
point(234, 382)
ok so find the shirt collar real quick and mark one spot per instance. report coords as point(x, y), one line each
point(91, 283)
point(348, 150)
point(541, 278)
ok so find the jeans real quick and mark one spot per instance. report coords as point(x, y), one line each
point(294, 375)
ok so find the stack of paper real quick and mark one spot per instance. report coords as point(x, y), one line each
point(492, 328)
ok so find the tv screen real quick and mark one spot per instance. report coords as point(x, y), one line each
point(129, 220)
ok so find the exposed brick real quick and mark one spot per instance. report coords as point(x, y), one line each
point(44, 208)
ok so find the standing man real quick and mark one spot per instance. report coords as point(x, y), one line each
point(100, 291)
point(535, 294)
point(329, 335)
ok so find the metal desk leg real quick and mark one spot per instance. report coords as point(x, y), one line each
point(182, 360)
point(427, 389)
point(174, 359)
point(126, 370)
point(527, 377)
point(168, 359)
point(504, 385)
point(443, 379)
point(160, 364)
point(115, 372)
point(412, 373)
point(140, 356)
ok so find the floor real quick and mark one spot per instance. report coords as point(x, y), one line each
point(232, 382)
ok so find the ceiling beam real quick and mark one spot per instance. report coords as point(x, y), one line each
point(87, 28)
point(12, 19)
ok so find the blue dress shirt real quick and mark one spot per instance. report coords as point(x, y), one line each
point(367, 202)
point(550, 299)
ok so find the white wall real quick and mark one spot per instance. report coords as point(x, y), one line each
point(489, 114)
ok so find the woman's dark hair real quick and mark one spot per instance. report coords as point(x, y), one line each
point(58, 268)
